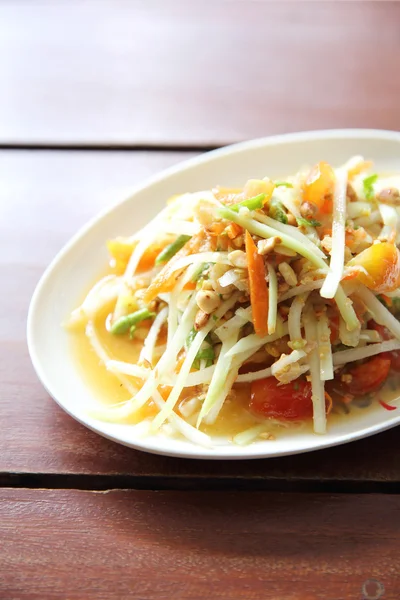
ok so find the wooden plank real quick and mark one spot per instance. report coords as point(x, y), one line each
point(157, 546)
point(184, 73)
point(44, 198)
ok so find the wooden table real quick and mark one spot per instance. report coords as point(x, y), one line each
point(96, 96)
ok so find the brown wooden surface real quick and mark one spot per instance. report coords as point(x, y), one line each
point(158, 546)
point(173, 73)
point(44, 198)
point(194, 73)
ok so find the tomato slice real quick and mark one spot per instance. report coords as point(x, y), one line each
point(386, 335)
point(289, 401)
point(369, 376)
point(334, 325)
point(395, 360)
point(381, 329)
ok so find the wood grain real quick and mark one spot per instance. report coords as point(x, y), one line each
point(158, 546)
point(44, 198)
point(194, 73)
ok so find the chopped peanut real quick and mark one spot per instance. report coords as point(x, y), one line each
point(288, 274)
point(351, 196)
point(266, 246)
point(308, 210)
point(238, 258)
point(201, 319)
point(238, 242)
point(389, 196)
point(208, 301)
point(327, 243)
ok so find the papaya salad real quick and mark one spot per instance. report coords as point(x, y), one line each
point(275, 303)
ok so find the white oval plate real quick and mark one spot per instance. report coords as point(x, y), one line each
point(78, 264)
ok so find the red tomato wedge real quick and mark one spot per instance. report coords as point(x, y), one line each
point(386, 335)
point(334, 325)
point(381, 329)
point(369, 376)
point(395, 360)
point(289, 401)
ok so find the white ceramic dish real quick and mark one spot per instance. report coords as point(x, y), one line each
point(83, 258)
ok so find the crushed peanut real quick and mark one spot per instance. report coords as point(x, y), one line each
point(389, 196)
point(238, 242)
point(308, 210)
point(238, 258)
point(215, 273)
point(327, 243)
point(288, 274)
point(266, 246)
point(351, 196)
point(201, 319)
point(207, 301)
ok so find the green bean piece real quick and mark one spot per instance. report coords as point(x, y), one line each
point(170, 250)
point(200, 270)
point(251, 203)
point(206, 354)
point(124, 324)
point(192, 334)
point(308, 222)
point(368, 185)
point(277, 212)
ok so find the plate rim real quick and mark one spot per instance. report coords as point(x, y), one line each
point(190, 451)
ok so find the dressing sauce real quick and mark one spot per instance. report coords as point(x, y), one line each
point(234, 416)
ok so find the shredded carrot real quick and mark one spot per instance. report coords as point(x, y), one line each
point(167, 277)
point(258, 287)
point(387, 299)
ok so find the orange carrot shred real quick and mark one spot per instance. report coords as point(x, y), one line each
point(258, 287)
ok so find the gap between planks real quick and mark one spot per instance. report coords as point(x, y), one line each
point(231, 484)
point(105, 147)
